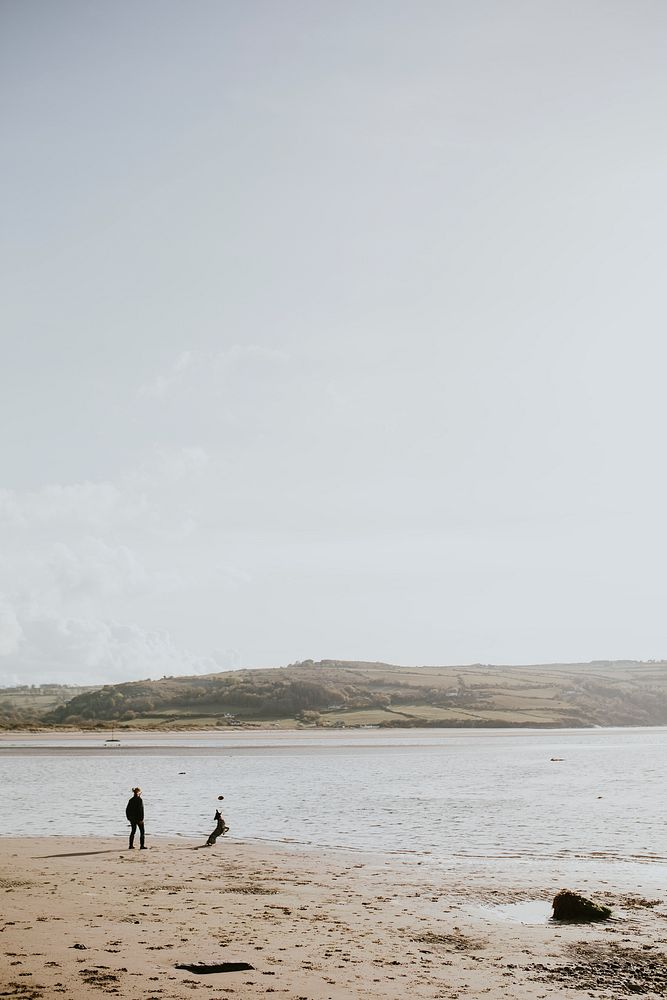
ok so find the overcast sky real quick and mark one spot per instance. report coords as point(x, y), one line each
point(331, 329)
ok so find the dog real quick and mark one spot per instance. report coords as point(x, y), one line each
point(221, 829)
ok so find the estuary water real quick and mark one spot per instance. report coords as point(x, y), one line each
point(571, 800)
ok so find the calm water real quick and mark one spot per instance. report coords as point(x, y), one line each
point(454, 798)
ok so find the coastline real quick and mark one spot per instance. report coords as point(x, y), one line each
point(305, 733)
point(313, 924)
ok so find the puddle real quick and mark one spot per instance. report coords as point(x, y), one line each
point(528, 911)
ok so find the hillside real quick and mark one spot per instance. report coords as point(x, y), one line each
point(341, 693)
point(27, 704)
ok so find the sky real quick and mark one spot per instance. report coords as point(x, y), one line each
point(330, 330)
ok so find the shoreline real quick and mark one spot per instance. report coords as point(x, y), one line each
point(319, 732)
point(313, 924)
point(278, 730)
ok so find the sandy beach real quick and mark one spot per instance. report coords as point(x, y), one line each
point(85, 917)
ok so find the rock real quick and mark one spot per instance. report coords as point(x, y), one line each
point(571, 906)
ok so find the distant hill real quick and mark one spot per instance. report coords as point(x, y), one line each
point(335, 693)
point(27, 704)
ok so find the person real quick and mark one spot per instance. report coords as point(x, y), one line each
point(221, 827)
point(135, 814)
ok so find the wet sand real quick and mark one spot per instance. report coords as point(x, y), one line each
point(84, 917)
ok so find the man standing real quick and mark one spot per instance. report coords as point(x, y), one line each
point(135, 814)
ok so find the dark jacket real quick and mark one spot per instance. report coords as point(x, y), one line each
point(135, 810)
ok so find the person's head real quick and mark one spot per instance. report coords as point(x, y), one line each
point(137, 791)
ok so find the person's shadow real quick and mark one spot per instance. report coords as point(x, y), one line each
point(78, 854)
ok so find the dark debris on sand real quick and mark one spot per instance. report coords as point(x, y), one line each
point(101, 978)
point(628, 971)
point(21, 991)
point(451, 942)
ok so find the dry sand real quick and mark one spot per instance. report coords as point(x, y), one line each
point(87, 918)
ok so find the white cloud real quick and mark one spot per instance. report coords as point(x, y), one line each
point(95, 505)
point(159, 387)
point(171, 465)
point(11, 632)
point(79, 559)
point(198, 366)
point(87, 651)
point(138, 497)
point(251, 352)
point(92, 568)
point(227, 659)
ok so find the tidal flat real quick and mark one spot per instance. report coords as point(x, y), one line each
point(83, 914)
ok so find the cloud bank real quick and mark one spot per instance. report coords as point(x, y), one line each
point(41, 649)
point(75, 556)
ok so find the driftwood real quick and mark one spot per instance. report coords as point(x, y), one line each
point(201, 969)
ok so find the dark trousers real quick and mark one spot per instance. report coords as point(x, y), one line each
point(142, 834)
